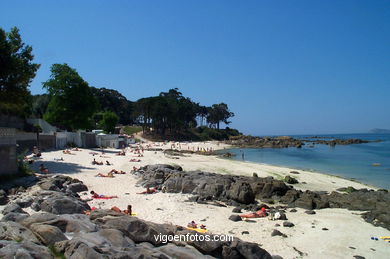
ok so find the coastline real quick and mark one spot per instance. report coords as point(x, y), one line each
point(344, 228)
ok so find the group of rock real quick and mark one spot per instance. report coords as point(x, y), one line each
point(286, 141)
point(59, 228)
point(244, 191)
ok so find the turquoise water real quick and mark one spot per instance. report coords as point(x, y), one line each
point(349, 161)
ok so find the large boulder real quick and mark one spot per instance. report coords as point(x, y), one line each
point(64, 205)
point(14, 231)
point(241, 192)
point(13, 207)
point(77, 187)
point(47, 234)
point(25, 249)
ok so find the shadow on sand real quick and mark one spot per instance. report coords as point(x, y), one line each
point(60, 167)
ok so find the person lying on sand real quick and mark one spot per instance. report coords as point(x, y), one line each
point(67, 151)
point(148, 191)
point(128, 211)
point(100, 196)
point(135, 160)
point(76, 149)
point(203, 227)
point(258, 214)
point(192, 224)
point(36, 152)
point(43, 169)
point(117, 172)
point(110, 175)
point(93, 153)
point(122, 153)
point(94, 162)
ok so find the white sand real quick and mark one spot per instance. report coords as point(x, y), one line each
point(346, 228)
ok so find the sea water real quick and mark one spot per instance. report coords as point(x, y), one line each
point(367, 163)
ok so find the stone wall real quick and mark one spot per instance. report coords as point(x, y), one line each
point(8, 159)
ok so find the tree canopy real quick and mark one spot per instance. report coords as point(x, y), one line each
point(112, 100)
point(109, 121)
point(16, 73)
point(71, 101)
point(173, 112)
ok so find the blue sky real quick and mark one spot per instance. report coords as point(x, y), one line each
point(283, 67)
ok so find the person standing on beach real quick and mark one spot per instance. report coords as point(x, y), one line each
point(242, 155)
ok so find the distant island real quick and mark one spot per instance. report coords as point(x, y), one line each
point(380, 131)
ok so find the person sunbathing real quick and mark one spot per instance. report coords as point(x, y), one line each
point(192, 224)
point(203, 227)
point(258, 214)
point(148, 191)
point(117, 172)
point(135, 160)
point(110, 175)
point(100, 196)
point(122, 153)
point(76, 149)
point(128, 211)
point(43, 169)
point(94, 162)
point(67, 151)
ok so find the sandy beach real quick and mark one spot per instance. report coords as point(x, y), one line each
point(330, 233)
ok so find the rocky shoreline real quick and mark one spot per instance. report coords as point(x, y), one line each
point(245, 192)
point(58, 228)
point(285, 142)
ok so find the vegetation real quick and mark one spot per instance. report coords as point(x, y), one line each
point(130, 130)
point(109, 121)
point(16, 73)
point(71, 101)
point(112, 100)
point(170, 113)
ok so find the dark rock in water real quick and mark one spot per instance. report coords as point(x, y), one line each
point(13, 207)
point(294, 172)
point(27, 249)
point(14, 231)
point(290, 180)
point(47, 234)
point(3, 197)
point(293, 210)
point(310, 212)
point(235, 218)
point(237, 210)
point(276, 232)
point(14, 216)
point(77, 187)
point(288, 224)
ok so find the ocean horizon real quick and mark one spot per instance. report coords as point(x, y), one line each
point(368, 163)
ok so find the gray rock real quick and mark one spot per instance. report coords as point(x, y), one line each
point(235, 218)
point(23, 250)
point(47, 234)
point(310, 212)
point(276, 232)
point(77, 187)
point(14, 231)
point(64, 205)
point(290, 180)
point(13, 207)
point(14, 216)
point(25, 202)
point(237, 210)
point(288, 224)
point(38, 218)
